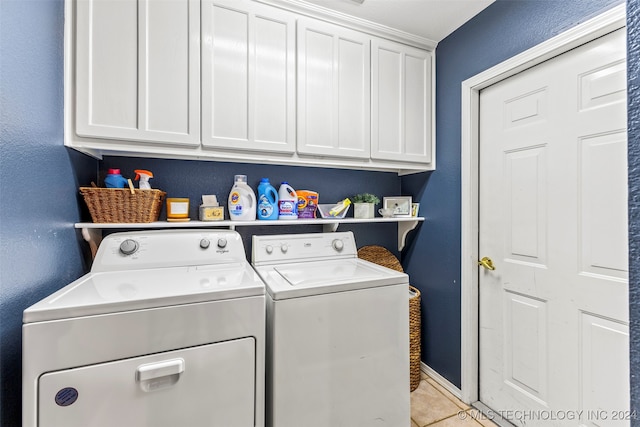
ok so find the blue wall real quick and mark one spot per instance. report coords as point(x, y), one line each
point(501, 31)
point(39, 248)
point(633, 71)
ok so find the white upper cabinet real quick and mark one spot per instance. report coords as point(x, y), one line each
point(333, 90)
point(401, 105)
point(248, 76)
point(138, 70)
point(251, 81)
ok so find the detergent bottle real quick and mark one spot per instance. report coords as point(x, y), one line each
point(114, 179)
point(242, 200)
point(288, 203)
point(143, 176)
point(267, 200)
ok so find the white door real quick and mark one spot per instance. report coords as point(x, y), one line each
point(553, 219)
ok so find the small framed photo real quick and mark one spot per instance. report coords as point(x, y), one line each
point(401, 205)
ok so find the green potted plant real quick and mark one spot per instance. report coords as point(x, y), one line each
point(364, 205)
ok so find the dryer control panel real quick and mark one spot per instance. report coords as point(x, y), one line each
point(286, 248)
point(168, 248)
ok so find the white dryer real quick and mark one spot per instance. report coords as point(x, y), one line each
point(337, 334)
point(167, 329)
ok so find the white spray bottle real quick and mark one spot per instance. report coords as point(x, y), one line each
point(143, 176)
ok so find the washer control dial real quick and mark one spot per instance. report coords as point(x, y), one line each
point(222, 243)
point(128, 246)
point(269, 249)
point(204, 243)
point(337, 244)
point(284, 248)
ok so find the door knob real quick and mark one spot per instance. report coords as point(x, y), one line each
point(486, 263)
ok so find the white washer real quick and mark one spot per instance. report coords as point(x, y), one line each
point(337, 334)
point(168, 329)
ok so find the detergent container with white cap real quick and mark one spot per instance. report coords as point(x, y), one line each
point(288, 202)
point(267, 200)
point(242, 200)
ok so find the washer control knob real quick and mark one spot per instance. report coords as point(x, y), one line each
point(269, 249)
point(128, 246)
point(284, 248)
point(222, 243)
point(204, 243)
point(337, 244)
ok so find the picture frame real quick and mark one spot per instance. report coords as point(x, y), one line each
point(415, 207)
point(401, 205)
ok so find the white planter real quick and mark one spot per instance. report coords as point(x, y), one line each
point(363, 210)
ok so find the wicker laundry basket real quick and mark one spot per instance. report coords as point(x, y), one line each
point(382, 256)
point(121, 205)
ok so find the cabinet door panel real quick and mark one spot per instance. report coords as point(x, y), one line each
point(316, 83)
point(353, 95)
point(417, 107)
point(248, 76)
point(401, 103)
point(333, 90)
point(229, 73)
point(137, 70)
point(107, 65)
point(164, 57)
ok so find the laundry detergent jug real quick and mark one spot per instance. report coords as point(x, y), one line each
point(288, 203)
point(242, 200)
point(267, 200)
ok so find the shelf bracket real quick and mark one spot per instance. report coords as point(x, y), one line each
point(404, 228)
point(330, 227)
point(93, 236)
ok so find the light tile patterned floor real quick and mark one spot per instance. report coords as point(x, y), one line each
point(433, 406)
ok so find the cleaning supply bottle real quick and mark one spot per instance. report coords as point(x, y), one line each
point(114, 179)
point(242, 200)
point(143, 176)
point(267, 200)
point(288, 203)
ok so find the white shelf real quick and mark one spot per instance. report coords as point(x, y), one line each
point(92, 232)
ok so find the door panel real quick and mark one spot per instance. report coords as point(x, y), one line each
point(553, 217)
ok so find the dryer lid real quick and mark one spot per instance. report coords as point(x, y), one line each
point(112, 292)
point(295, 280)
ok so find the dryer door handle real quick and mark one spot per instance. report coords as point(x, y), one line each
point(165, 368)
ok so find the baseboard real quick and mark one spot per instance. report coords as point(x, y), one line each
point(445, 383)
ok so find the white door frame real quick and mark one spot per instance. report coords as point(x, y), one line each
point(604, 23)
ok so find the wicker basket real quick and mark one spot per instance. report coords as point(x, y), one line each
point(383, 257)
point(119, 205)
point(414, 337)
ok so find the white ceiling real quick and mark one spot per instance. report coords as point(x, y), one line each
point(430, 19)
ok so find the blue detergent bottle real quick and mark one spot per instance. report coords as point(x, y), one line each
point(114, 179)
point(267, 200)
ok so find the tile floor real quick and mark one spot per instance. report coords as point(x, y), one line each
point(434, 406)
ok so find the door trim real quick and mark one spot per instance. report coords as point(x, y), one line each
point(602, 24)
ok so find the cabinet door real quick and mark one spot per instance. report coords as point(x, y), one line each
point(333, 90)
point(401, 114)
point(138, 70)
point(248, 76)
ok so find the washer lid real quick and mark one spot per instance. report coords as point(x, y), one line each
point(112, 292)
point(322, 277)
